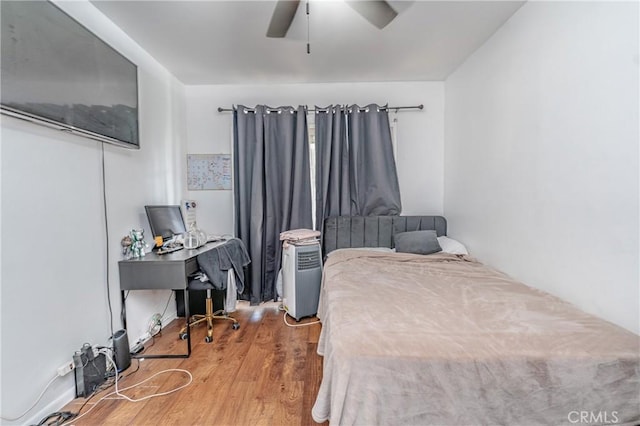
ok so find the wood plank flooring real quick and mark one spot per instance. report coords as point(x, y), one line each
point(264, 373)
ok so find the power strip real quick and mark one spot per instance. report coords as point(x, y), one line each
point(66, 368)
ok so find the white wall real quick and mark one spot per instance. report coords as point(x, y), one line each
point(541, 155)
point(419, 134)
point(53, 232)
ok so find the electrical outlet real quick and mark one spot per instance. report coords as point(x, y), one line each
point(66, 368)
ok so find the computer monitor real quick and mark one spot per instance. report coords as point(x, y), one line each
point(165, 221)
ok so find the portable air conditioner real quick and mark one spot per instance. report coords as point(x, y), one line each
point(301, 277)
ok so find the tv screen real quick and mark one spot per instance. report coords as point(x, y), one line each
point(165, 221)
point(58, 73)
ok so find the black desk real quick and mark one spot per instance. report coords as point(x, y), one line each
point(168, 271)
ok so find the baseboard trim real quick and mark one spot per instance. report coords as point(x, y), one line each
point(55, 405)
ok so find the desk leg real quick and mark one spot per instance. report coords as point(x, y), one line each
point(123, 309)
point(187, 315)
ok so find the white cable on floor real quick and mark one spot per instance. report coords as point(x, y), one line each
point(122, 396)
point(284, 318)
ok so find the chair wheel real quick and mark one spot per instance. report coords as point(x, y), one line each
point(208, 339)
point(236, 325)
point(183, 336)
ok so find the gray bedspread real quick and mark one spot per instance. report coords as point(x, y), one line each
point(445, 340)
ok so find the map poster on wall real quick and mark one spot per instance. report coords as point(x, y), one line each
point(208, 171)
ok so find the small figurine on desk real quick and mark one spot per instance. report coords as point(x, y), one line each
point(133, 245)
point(125, 242)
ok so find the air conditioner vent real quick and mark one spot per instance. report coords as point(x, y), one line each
point(308, 260)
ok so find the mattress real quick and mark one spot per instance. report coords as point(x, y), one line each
point(443, 339)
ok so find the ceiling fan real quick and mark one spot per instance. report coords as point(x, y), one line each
point(377, 12)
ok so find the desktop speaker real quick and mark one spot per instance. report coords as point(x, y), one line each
point(121, 350)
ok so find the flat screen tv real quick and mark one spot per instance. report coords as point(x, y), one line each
point(58, 73)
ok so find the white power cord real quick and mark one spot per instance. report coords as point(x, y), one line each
point(122, 396)
point(284, 318)
point(11, 419)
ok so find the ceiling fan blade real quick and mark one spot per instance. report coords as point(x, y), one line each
point(282, 17)
point(378, 12)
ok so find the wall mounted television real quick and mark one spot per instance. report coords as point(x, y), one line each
point(57, 73)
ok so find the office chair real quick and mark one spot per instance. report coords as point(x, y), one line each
point(209, 316)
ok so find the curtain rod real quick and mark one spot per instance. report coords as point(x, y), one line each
point(396, 108)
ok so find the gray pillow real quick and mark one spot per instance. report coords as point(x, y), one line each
point(418, 242)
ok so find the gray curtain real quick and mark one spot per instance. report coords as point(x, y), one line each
point(333, 190)
point(355, 167)
point(272, 189)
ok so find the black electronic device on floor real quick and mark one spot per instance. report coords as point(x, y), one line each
point(121, 353)
point(90, 371)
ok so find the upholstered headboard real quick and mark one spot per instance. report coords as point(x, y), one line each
point(374, 231)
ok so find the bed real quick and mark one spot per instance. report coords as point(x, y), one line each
point(442, 339)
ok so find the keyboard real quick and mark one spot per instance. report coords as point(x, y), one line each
point(166, 250)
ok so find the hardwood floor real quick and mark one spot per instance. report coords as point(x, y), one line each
point(264, 373)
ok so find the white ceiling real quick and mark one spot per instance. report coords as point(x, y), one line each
point(224, 42)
